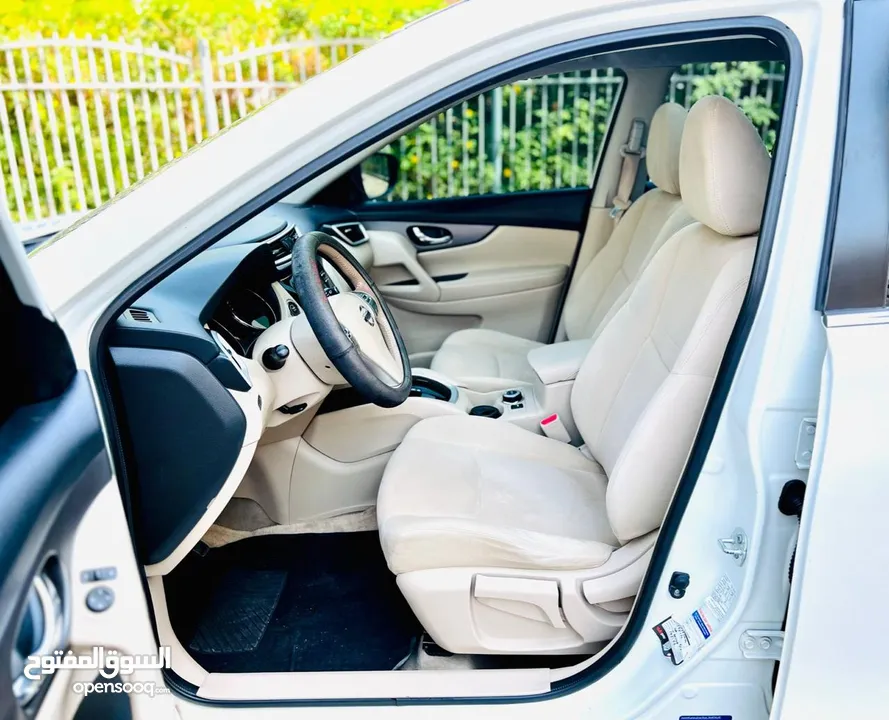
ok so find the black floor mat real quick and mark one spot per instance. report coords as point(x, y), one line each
point(339, 608)
point(239, 611)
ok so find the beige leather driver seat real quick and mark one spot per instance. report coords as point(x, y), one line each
point(505, 541)
point(492, 359)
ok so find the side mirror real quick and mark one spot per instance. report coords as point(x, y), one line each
point(379, 174)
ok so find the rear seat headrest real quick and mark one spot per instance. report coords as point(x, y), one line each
point(723, 167)
point(664, 140)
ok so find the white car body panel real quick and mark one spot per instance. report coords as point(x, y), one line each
point(777, 383)
point(835, 658)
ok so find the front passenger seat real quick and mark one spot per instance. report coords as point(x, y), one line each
point(505, 541)
point(490, 360)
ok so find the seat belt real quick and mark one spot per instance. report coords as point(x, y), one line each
point(790, 503)
point(632, 152)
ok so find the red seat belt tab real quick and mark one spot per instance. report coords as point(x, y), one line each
point(553, 428)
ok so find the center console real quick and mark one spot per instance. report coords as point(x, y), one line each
point(526, 404)
point(423, 386)
point(328, 463)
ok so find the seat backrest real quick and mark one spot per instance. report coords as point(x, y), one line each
point(645, 226)
point(640, 394)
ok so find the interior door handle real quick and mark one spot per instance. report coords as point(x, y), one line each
point(422, 236)
point(51, 620)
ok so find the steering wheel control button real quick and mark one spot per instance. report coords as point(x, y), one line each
point(293, 308)
point(99, 599)
point(512, 396)
point(371, 303)
point(275, 357)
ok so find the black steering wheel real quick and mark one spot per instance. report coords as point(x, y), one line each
point(356, 329)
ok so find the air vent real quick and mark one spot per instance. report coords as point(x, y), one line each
point(141, 316)
point(352, 233)
point(282, 246)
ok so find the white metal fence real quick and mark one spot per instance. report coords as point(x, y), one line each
point(82, 119)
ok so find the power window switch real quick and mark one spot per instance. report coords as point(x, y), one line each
point(105, 574)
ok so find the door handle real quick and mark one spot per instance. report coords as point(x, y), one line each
point(427, 236)
point(48, 616)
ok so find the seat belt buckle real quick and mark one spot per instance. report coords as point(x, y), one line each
point(553, 427)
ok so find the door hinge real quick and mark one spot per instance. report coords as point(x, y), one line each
point(762, 644)
point(805, 444)
point(736, 545)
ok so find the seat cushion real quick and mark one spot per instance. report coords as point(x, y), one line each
point(499, 359)
point(464, 491)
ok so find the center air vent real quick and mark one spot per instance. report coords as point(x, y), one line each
point(352, 233)
point(141, 316)
point(282, 246)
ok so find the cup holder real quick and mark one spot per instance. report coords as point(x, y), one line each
point(488, 411)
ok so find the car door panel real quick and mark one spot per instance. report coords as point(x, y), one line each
point(498, 262)
point(510, 280)
point(60, 515)
point(42, 495)
point(454, 234)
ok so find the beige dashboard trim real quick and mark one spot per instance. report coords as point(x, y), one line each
point(181, 663)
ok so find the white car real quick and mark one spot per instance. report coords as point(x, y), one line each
point(278, 442)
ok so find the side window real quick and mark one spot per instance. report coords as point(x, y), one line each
point(756, 87)
point(542, 133)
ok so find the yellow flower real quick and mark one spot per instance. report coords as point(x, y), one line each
point(455, 164)
point(414, 159)
point(507, 172)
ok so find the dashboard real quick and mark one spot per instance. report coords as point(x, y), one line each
point(235, 290)
point(179, 366)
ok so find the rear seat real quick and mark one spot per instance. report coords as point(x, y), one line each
point(492, 360)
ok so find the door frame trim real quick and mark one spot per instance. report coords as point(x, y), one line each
point(685, 31)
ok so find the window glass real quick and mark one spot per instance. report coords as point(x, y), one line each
point(536, 134)
point(547, 132)
point(757, 88)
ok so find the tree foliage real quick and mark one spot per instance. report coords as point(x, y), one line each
point(531, 135)
point(90, 132)
point(226, 23)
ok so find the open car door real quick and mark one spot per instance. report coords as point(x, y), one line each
point(68, 576)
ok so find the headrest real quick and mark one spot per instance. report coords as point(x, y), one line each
point(664, 139)
point(723, 168)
